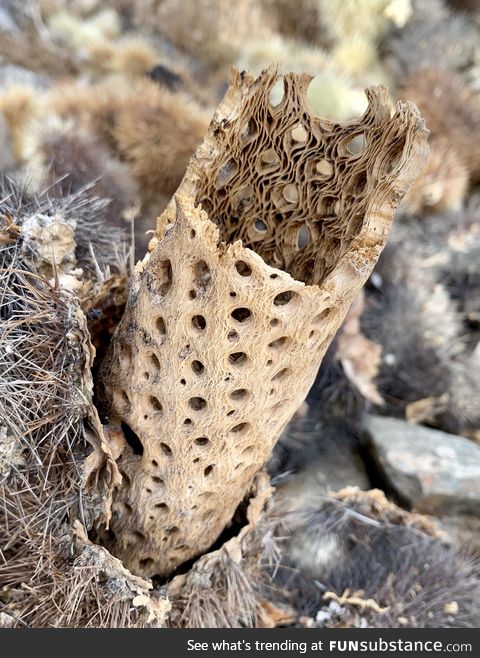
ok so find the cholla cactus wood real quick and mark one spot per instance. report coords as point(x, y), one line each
point(221, 339)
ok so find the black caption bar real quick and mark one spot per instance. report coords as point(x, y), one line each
point(241, 642)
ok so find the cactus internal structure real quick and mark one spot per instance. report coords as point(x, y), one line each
point(277, 224)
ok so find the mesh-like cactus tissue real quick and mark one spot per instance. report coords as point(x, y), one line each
point(221, 338)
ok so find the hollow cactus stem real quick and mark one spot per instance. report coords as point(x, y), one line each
point(230, 314)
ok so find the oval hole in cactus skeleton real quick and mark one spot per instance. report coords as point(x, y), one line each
point(240, 428)
point(239, 394)
point(155, 403)
point(290, 193)
point(146, 562)
point(165, 448)
point(268, 161)
point(161, 327)
point(269, 156)
point(324, 168)
point(321, 317)
point(197, 367)
point(356, 145)
point(281, 374)
point(241, 314)
point(155, 363)
point(226, 172)
point(132, 439)
point(202, 441)
point(197, 403)
point(299, 134)
point(279, 342)
point(249, 131)
point(260, 226)
point(284, 297)
point(199, 323)
point(277, 93)
point(164, 277)
point(208, 470)
point(238, 358)
point(202, 274)
point(243, 268)
point(303, 237)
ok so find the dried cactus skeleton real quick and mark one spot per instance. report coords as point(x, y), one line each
point(221, 339)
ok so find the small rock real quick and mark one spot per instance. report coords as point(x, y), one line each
point(332, 471)
point(6, 621)
point(451, 608)
point(432, 471)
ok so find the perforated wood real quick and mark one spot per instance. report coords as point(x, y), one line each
point(219, 343)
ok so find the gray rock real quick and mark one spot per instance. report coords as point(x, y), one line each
point(337, 466)
point(304, 489)
point(432, 471)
